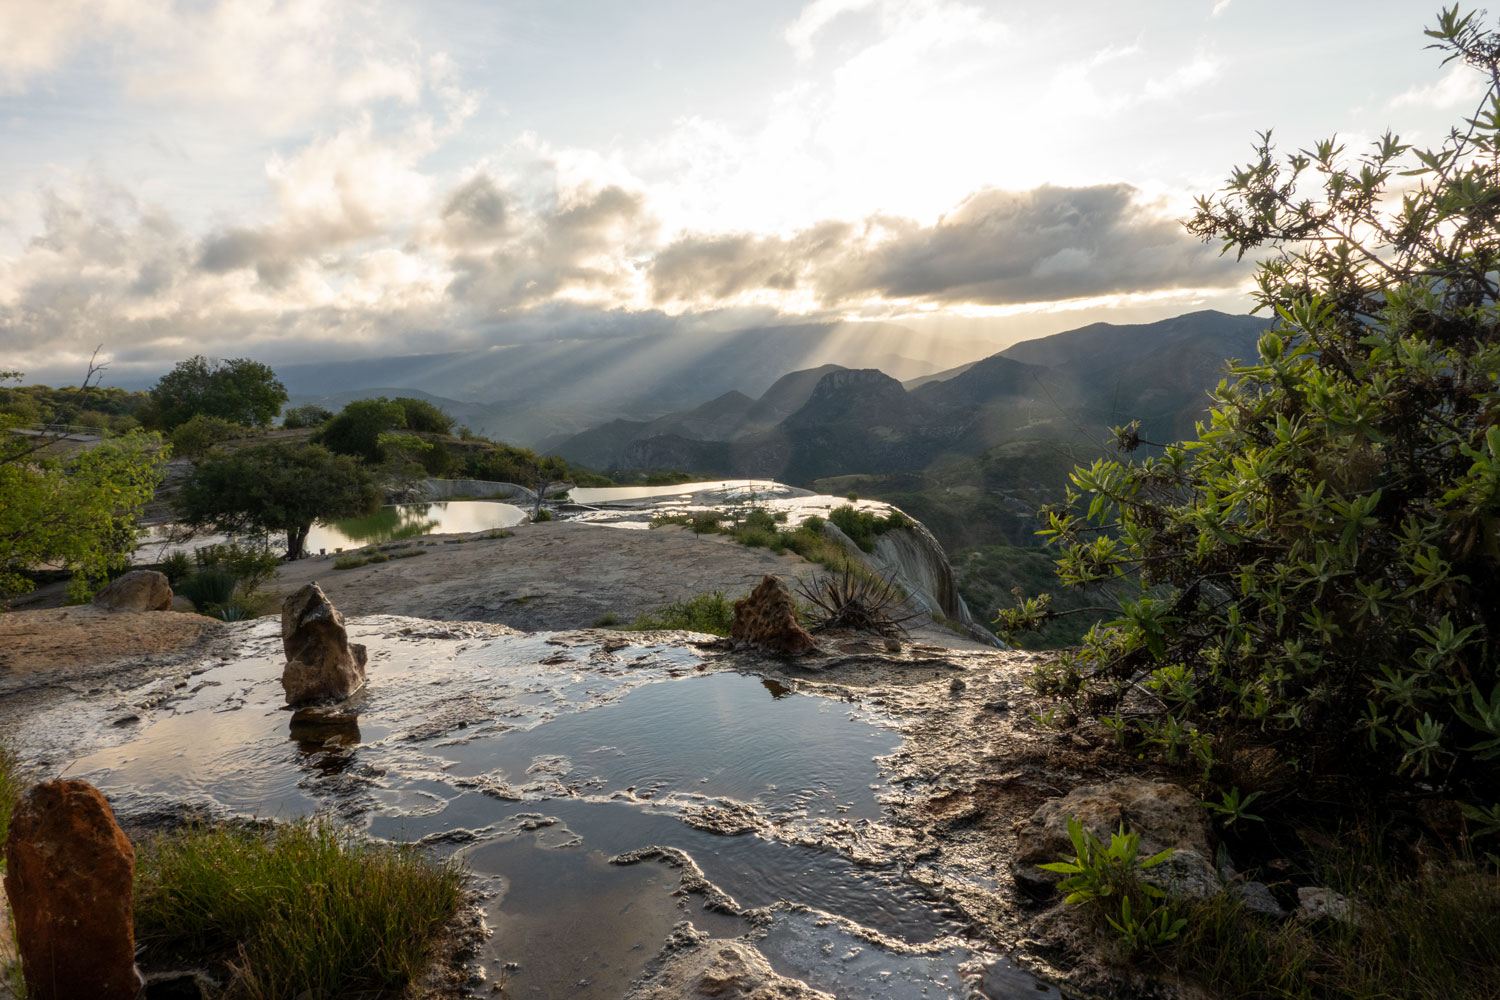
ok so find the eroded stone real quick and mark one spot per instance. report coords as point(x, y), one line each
point(767, 619)
point(321, 661)
point(69, 877)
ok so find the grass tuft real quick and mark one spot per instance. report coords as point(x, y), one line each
point(712, 613)
point(307, 908)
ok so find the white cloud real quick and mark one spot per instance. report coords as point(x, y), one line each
point(814, 18)
point(1461, 86)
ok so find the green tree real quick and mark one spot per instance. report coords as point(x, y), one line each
point(74, 511)
point(1318, 569)
point(276, 488)
point(199, 435)
point(423, 417)
point(239, 390)
point(306, 415)
point(359, 425)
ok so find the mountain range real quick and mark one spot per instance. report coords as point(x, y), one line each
point(830, 420)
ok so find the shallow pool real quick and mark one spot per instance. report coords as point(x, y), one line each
point(388, 523)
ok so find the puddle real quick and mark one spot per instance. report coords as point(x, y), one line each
point(387, 524)
point(542, 760)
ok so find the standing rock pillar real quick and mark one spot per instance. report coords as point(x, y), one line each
point(69, 876)
point(321, 662)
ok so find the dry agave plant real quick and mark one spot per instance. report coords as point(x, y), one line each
point(860, 602)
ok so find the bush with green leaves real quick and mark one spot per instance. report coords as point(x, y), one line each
point(863, 526)
point(1108, 877)
point(1318, 570)
point(197, 436)
point(306, 415)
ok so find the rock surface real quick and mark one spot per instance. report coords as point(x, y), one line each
point(138, 590)
point(767, 620)
point(321, 662)
point(694, 965)
point(69, 872)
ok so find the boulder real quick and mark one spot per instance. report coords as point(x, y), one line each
point(1162, 814)
point(183, 604)
point(767, 620)
point(69, 872)
point(1316, 903)
point(321, 662)
point(138, 590)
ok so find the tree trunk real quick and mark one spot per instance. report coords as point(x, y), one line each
point(295, 538)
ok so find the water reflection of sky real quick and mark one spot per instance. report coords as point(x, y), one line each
point(386, 524)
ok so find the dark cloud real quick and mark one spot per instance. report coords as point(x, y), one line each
point(996, 248)
point(476, 212)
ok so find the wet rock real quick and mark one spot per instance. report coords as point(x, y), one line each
point(1259, 899)
point(1163, 814)
point(694, 965)
point(321, 661)
point(69, 871)
point(317, 729)
point(767, 620)
point(138, 590)
point(1317, 904)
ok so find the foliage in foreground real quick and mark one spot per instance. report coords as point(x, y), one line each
point(1329, 546)
point(77, 511)
point(1107, 878)
point(307, 909)
point(712, 613)
point(1419, 935)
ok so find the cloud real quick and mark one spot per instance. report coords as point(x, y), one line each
point(1461, 86)
point(996, 248)
point(814, 18)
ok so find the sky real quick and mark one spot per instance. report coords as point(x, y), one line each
point(307, 180)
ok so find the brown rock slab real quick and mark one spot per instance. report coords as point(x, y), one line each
point(321, 662)
point(694, 965)
point(69, 872)
point(767, 620)
point(138, 590)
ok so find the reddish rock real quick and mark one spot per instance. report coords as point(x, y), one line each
point(767, 619)
point(69, 871)
point(138, 590)
point(321, 662)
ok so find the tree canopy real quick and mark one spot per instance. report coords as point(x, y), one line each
point(1317, 571)
point(276, 488)
point(76, 511)
point(239, 390)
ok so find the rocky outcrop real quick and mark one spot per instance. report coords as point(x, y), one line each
point(321, 662)
point(767, 620)
point(1162, 814)
point(69, 877)
point(694, 965)
point(138, 590)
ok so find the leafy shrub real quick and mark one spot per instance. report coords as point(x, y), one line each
point(314, 910)
point(712, 613)
point(307, 415)
point(543, 515)
point(208, 587)
point(176, 565)
point(252, 565)
point(1109, 878)
point(863, 526)
point(1329, 546)
point(198, 436)
point(664, 519)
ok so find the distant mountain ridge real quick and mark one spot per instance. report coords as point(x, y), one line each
point(833, 421)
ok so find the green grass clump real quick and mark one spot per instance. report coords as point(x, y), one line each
point(1419, 936)
point(303, 909)
point(663, 520)
point(211, 585)
point(712, 613)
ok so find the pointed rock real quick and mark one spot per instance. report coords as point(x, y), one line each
point(321, 662)
point(69, 876)
point(767, 619)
